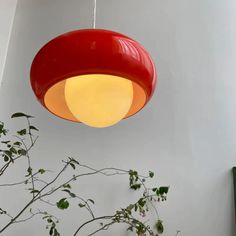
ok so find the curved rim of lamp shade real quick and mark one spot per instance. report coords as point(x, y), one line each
point(90, 52)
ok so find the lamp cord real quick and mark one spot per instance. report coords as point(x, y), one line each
point(94, 14)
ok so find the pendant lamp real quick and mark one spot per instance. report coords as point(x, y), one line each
point(94, 76)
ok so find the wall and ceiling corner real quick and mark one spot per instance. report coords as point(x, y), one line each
point(7, 13)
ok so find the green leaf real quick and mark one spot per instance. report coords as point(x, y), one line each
point(163, 190)
point(2, 130)
point(151, 174)
point(22, 152)
point(130, 228)
point(81, 205)
point(13, 150)
point(69, 192)
point(63, 204)
point(66, 190)
point(72, 165)
point(130, 172)
point(29, 170)
point(6, 158)
point(5, 142)
point(41, 171)
point(22, 132)
point(135, 186)
point(20, 114)
point(73, 160)
point(35, 191)
point(130, 208)
point(66, 186)
point(72, 195)
point(56, 233)
point(17, 144)
point(159, 227)
point(51, 231)
point(141, 202)
point(91, 200)
point(33, 128)
point(8, 153)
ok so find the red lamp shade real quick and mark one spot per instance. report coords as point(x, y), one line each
point(93, 76)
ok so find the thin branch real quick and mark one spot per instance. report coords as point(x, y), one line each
point(40, 180)
point(87, 206)
point(34, 199)
point(29, 218)
point(105, 227)
point(95, 171)
point(51, 182)
point(148, 197)
point(18, 183)
point(69, 181)
point(132, 222)
point(39, 212)
point(4, 212)
point(17, 216)
point(28, 159)
point(5, 166)
point(29, 131)
point(47, 202)
point(92, 220)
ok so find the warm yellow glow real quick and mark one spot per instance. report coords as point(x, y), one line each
point(98, 100)
point(54, 100)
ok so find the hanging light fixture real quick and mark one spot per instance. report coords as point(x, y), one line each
point(94, 76)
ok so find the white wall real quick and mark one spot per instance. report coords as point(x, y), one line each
point(7, 12)
point(186, 134)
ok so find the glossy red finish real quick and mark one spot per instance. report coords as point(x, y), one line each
point(91, 51)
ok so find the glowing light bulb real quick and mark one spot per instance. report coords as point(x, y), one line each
point(98, 100)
